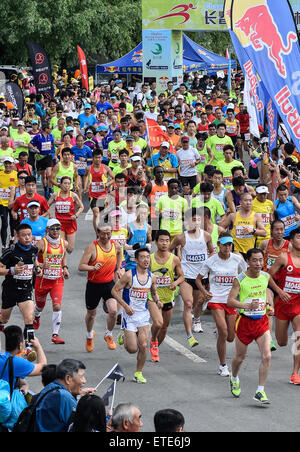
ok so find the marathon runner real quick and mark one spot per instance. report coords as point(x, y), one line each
point(286, 209)
point(287, 308)
point(65, 167)
point(65, 203)
point(169, 275)
point(102, 260)
point(21, 202)
point(136, 285)
point(37, 223)
point(8, 183)
point(53, 265)
point(195, 245)
point(252, 323)
point(221, 269)
point(17, 264)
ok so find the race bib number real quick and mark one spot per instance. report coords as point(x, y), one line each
point(231, 130)
point(259, 312)
point(219, 147)
point(227, 181)
point(224, 280)
point(97, 187)
point(195, 258)
point(81, 165)
point(46, 146)
point(202, 158)
point(27, 272)
point(242, 232)
point(171, 214)
point(266, 217)
point(163, 281)
point(270, 262)
point(35, 239)
point(289, 221)
point(63, 207)
point(4, 193)
point(292, 285)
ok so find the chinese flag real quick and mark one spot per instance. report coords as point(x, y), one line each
point(83, 68)
point(156, 135)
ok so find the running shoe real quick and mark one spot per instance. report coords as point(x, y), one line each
point(154, 351)
point(89, 343)
point(197, 327)
point(295, 379)
point(223, 371)
point(120, 339)
point(36, 322)
point(273, 346)
point(235, 388)
point(57, 340)
point(261, 397)
point(138, 377)
point(110, 342)
point(192, 342)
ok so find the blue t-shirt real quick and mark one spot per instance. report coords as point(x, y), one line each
point(84, 152)
point(86, 121)
point(38, 228)
point(103, 107)
point(22, 368)
point(44, 144)
point(156, 160)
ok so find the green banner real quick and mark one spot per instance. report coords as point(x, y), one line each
point(191, 15)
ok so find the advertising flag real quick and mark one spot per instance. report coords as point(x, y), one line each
point(109, 393)
point(41, 70)
point(266, 30)
point(14, 94)
point(83, 68)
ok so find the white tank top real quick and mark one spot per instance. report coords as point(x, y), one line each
point(194, 254)
point(137, 295)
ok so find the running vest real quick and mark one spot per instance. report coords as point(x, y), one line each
point(137, 294)
point(136, 236)
point(237, 199)
point(64, 208)
point(221, 198)
point(108, 259)
point(272, 253)
point(52, 257)
point(156, 192)
point(98, 187)
point(264, 209)
point(243, 241)
point(194, 253)
point(120, 237)
point(289, 280)
point(164, 278)
point(231, 127)
point(62, 171)
point(254, 289)
point(286, 213)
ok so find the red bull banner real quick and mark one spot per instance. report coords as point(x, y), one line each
point(266, 30)
point(41, 70)
point(83, 68)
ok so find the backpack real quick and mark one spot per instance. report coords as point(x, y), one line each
point(12, 401)
point(27, 419)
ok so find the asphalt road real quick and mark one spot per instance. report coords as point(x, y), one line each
point(185, 379)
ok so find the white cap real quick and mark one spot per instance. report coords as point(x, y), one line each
point(52, 222)
point(8, 158)
point(137, 149)
point(230, 106)
point(180, 96)
point(165, 144)
point(136, 158)
point(20, 123)
point(262, 189)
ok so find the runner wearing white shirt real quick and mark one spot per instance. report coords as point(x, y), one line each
point(188, 158)
point(222, 268)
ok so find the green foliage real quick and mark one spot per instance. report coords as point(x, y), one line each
point(101, 27)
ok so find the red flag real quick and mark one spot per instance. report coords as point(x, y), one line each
point(83, 68)
point(227, 53)
point(156, 134)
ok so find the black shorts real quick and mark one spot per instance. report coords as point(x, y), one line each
point(192, 282)
point(97, 202)
point(95, 291)
point(44, 163)
point(168, 306)
point(192, 180)
point(12, 296)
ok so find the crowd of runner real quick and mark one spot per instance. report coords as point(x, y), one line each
point(210, 215)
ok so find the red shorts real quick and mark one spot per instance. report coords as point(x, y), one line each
point(249, 330)
point(68, 226)
point(223, 306)
point(286, 311)
point(43, 287)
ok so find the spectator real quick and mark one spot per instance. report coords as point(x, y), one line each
point(126, 418)
point(168, 420)
point(89, 416)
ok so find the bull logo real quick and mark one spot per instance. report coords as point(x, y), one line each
point(39, 58)
point(259, 26)
point(43, 78)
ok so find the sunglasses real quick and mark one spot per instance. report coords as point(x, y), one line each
point(54, 228)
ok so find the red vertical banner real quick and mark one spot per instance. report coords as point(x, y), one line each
point(83, 68)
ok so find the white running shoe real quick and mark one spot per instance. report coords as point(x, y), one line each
point(197, 327)
point(223, 371)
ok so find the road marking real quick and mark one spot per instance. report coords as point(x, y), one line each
point(184, 351)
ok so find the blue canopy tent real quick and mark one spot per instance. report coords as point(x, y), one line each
point(195, 58)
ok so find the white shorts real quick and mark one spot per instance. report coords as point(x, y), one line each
point(135, 321)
